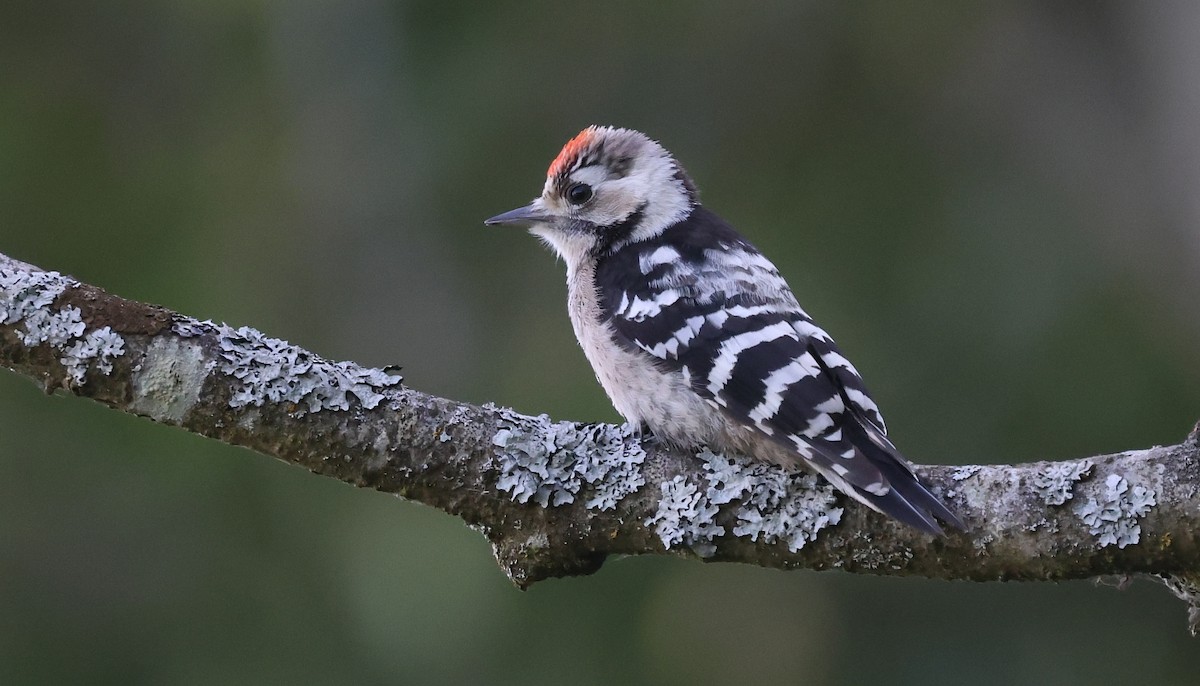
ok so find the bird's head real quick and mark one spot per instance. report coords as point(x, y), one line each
point(606, 188)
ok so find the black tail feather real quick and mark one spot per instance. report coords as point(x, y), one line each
point(907, 499)
point(910, 502)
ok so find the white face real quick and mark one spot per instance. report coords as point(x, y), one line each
point(611, 198)
point(640, 178)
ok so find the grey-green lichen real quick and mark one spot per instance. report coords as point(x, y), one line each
point(23, 293)
point(769, 503)
point(28, 297)
point(686, 516)
point(773, 503)
point(98, 345)
point(55, 327)
point(552, 463)
point(1112, 517)
point(270, 370)
point(171, 375)
point(1055, 482)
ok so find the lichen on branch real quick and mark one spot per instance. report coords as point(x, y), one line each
point(557, 498)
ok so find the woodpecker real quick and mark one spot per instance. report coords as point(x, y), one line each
point(694, 334)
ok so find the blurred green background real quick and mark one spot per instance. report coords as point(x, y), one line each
point(993, 207)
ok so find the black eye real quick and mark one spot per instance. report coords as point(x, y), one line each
point(579, 193)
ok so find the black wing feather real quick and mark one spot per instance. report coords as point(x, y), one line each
point(825, 414)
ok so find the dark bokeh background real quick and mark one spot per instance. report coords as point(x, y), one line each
point(993, 207)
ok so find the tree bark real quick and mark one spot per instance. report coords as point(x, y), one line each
point(557, 498)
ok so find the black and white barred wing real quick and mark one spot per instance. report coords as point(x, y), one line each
point(754, 362)
point(727, 321)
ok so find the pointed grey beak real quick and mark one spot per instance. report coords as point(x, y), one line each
point(522, 215)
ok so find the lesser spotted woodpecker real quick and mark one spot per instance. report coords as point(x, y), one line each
point(695, 336)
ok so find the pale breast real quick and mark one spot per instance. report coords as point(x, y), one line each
point(639, 389)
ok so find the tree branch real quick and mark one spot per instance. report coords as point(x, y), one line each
point(557, 498)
